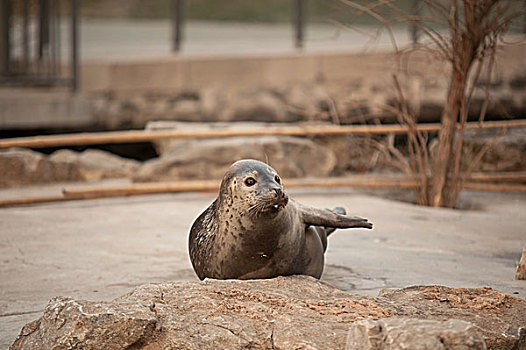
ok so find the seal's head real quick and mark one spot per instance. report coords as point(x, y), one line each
point(254, 186)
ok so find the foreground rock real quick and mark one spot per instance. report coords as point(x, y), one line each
point(412, 333)
point(281, 313)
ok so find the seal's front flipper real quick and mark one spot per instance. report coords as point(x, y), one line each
point(339, 211)
point(327, 218)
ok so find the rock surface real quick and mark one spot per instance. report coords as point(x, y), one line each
point(281, 313)
point(414, 334)
point(520, 274)
point(257, 106)
point(210, 158)
point(352, 153)
point(499, 316)
point(506, 153)
point(20, 166)
point(95, 165)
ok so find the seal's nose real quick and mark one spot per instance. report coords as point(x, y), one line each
point(278, 191)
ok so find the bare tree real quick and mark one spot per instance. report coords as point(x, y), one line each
point(465, 33)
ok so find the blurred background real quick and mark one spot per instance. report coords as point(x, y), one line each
point(90, 65)
point(85, 85)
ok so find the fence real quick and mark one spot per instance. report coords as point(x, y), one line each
point(33, 42)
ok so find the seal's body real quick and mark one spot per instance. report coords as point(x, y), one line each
point(253, 230)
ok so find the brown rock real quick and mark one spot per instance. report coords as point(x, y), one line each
point(210, 158)
point(507, 154)
point(414, 334)
point(71, 324)
point(187, 110)
point(19, 166)
point(25, 167)
point(520, 274)
point(499, 316)
point(94, 165)
point(284, 313)
point(281, 313)
point(257, 106)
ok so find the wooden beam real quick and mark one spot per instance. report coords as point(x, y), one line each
point(356, 181)
point(490, 187)
point(33, 200)
point(131, 136)
point(140, 188)
point(517, 177)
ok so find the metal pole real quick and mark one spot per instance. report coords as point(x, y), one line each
point(75, 45)
point(26, 36)
point(4, 36)
point(178, 7)
point(43, 41)
point(57, 40)
point(299, 24)
point(414, 31)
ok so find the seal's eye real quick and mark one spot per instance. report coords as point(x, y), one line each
point(277, 179)
point(250, 181)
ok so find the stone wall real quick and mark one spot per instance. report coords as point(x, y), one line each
point(342, 88)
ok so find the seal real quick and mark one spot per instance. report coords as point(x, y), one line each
point(254, 230)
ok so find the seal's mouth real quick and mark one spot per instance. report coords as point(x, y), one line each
point(276, 205)
point(271, 205)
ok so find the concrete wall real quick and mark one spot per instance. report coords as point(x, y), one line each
point(357, 76)
point(43, 109)
point(232, 72)
point(240, 72)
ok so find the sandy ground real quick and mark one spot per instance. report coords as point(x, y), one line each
point(100, 249)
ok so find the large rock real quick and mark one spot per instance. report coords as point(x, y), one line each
point(414, 334)
point(257, 106)
point(20, 166)
point(95, 165)
point(210, 158)
point(499, 317)
point(506, 153)
point(281, 313)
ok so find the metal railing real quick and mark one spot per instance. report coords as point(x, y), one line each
point(35, 48)
point(178, 18)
